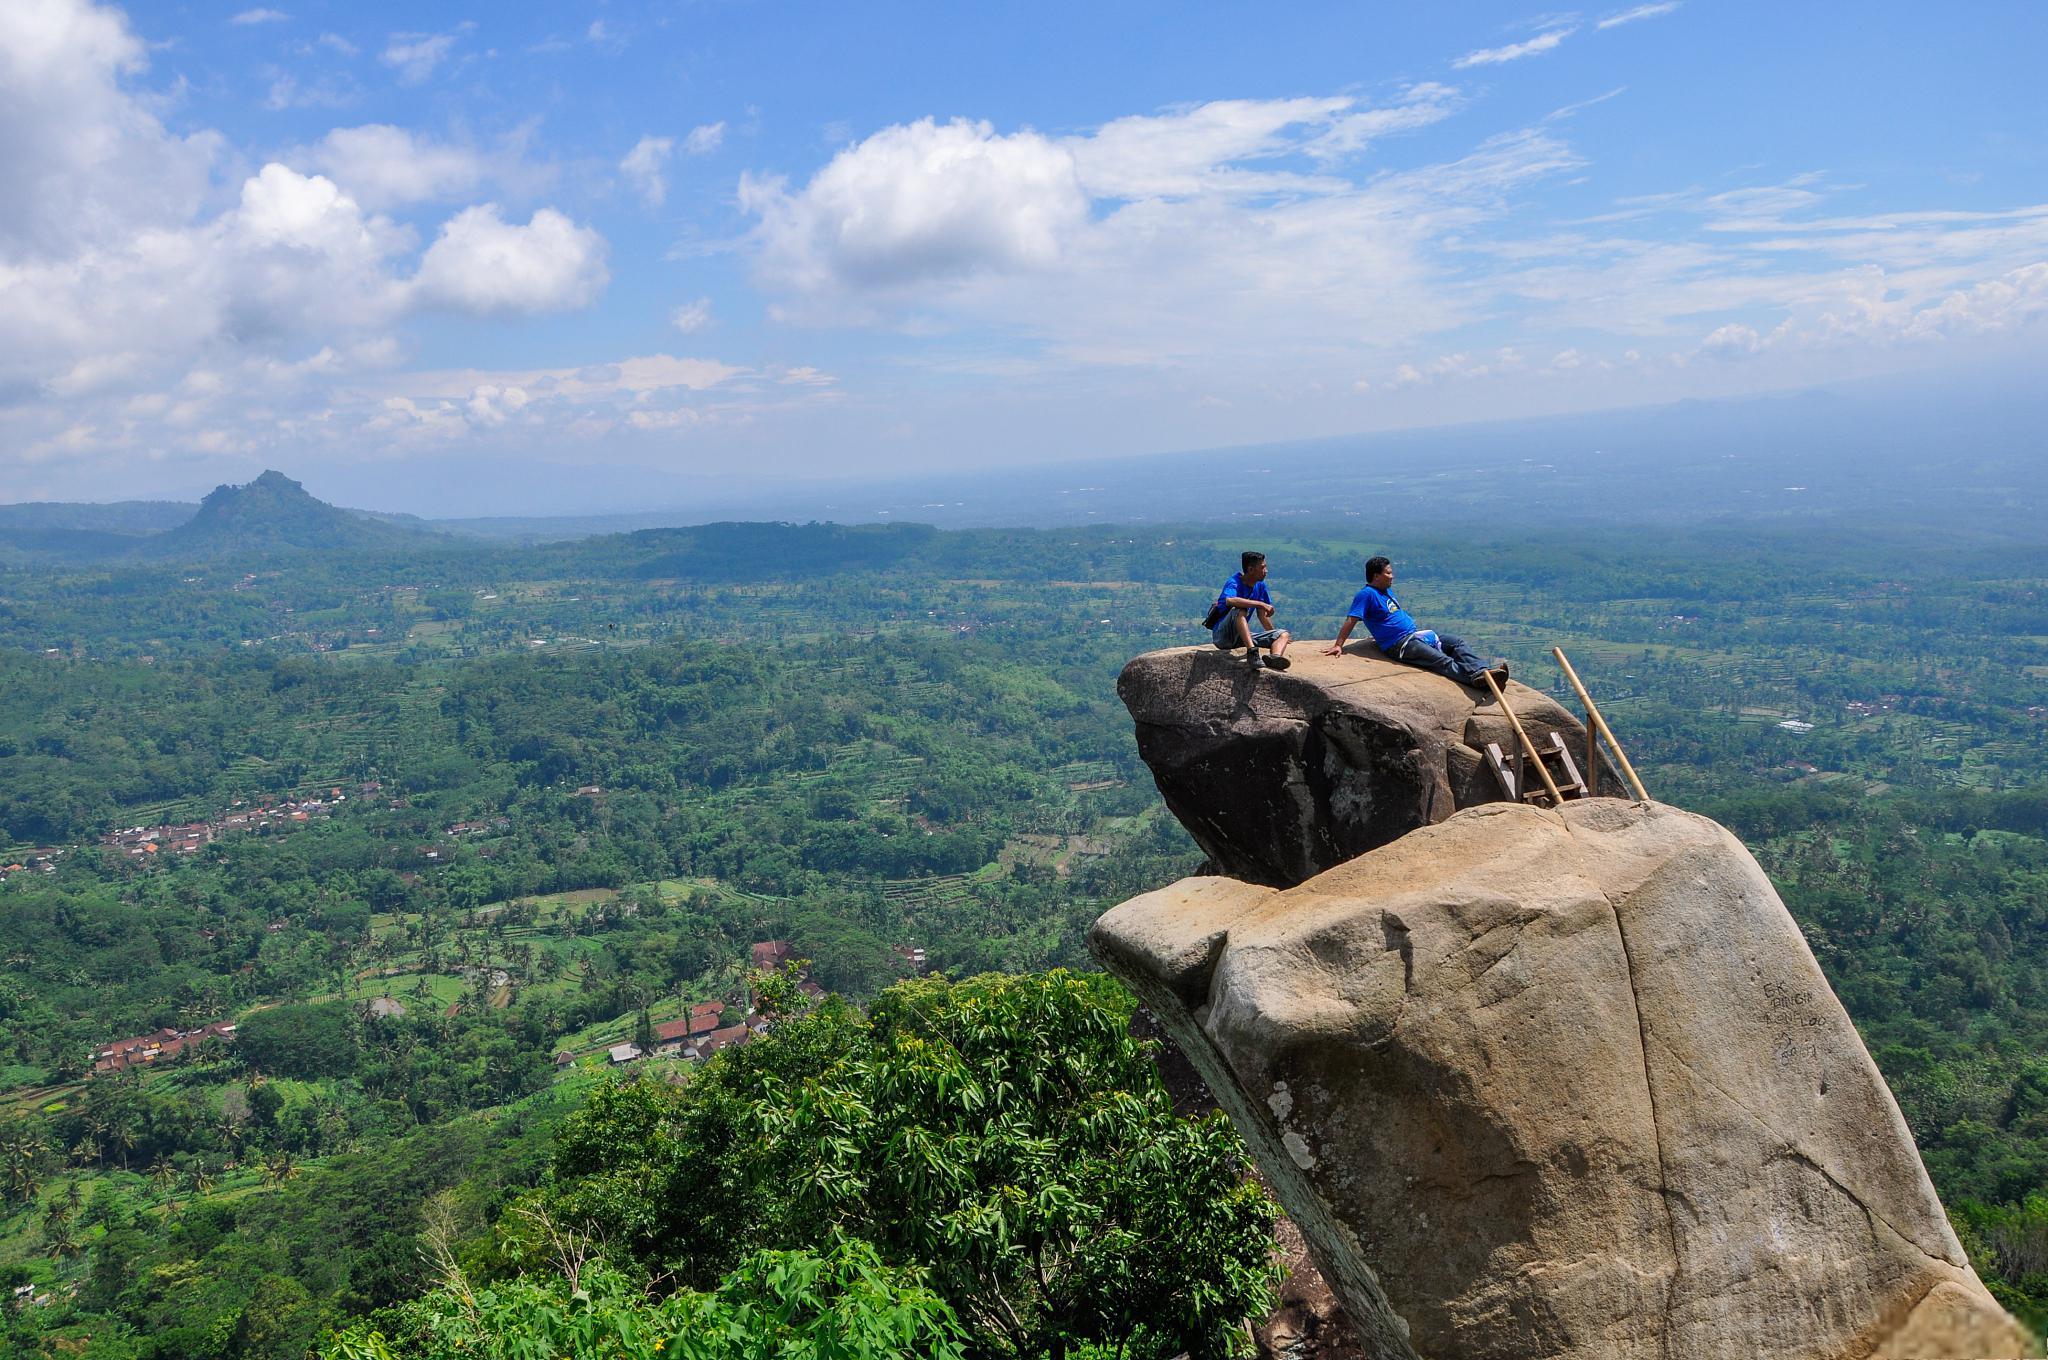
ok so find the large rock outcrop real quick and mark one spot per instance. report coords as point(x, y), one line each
point(1280, 775)
point(1562, 1084)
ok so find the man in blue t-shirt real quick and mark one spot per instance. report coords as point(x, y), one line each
point(1393, 628)
point(1243, 596)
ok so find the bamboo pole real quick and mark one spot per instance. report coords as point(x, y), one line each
point(1528, 746)
point(1594, 720)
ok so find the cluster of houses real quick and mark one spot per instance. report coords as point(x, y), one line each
point(29, 862)
point(693, 1038)
point(704, 1030)
point(141, 842)
point(161, 1046)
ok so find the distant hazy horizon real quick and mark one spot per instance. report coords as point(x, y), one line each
point(704, 254)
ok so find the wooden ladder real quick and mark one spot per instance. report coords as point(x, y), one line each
point(1564, 779)
point(1552, 762)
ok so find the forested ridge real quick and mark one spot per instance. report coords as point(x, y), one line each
point(577, 782)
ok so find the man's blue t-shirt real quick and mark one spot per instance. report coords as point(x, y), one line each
point(1235, 588)
point(1382, 616)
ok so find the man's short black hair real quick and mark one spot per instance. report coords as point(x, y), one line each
point(1375, 565)
point(1246, 561)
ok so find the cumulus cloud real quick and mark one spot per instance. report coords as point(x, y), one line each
point(920, 201)
point(927, 204)
point(491, 405)
point(1732, 341)
point(384, 166)
point(82, 161)
point(415, 55)
point(1494, 56)
point(704, 139)
point(260, 16)
point(644, 168)
point(486, 266)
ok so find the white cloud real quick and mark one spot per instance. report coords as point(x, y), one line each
point(1493, 56)
point(704, 139)
point(83, 163)
point(1168, 239)
point(1629, 16)
point(386, 166)
point(1194, 150)
point(490, 405)
point(691, 317)
point(1732, 341)
point(415, 55)
point(336, 43)
point(644, 167)
point(260, 16)
point(2015, 299)
point(918, 202)
point(483, 265)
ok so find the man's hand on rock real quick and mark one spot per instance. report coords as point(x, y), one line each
point(1334, 649)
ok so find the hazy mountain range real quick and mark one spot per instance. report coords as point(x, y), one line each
point(1820, 458)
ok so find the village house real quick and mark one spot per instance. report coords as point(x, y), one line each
point(624, 1053)
point(729, 1037)
point(674, 1036)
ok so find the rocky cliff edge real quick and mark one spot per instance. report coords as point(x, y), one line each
point(1546, 1083)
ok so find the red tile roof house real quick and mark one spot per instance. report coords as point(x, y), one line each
point(718, 1039)
point(772, 954)
point(673, 1035)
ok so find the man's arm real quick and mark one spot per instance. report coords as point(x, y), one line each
point(1337, 648)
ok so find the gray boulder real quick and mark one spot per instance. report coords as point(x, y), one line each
point(1561, 1083)
point(1281, 775)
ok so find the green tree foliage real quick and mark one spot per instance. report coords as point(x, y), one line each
point(299, 1041)
point(1005, 1134)
point(777, 1305)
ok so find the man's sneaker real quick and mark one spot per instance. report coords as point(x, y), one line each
point(1500, 674)
point(1277, 663)
point(1252, 659)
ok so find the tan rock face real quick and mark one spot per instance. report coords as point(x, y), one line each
point(1562, 1084)
point(1281, 775)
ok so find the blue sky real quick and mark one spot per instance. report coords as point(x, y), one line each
point(748, 243)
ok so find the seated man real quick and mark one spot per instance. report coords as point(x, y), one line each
point(1242, 596)
point(1395, 632)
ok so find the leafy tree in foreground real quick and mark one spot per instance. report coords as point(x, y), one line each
point(1004, 1134)
point(776, 1306)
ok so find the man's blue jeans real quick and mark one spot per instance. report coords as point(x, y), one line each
point(1450, 657)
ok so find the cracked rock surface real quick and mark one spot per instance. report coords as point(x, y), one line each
point(1561, 1083)
point(1281, 775)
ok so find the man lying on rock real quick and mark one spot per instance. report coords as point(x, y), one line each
point(1393, 628)
point(1242, 596)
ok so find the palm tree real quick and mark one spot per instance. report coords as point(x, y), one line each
point(124, 1134)
point(58, 1235)
point(162, 1175)
point(22, 1149)
point(279, 1169)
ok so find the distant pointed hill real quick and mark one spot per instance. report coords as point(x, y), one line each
point(275, 514)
